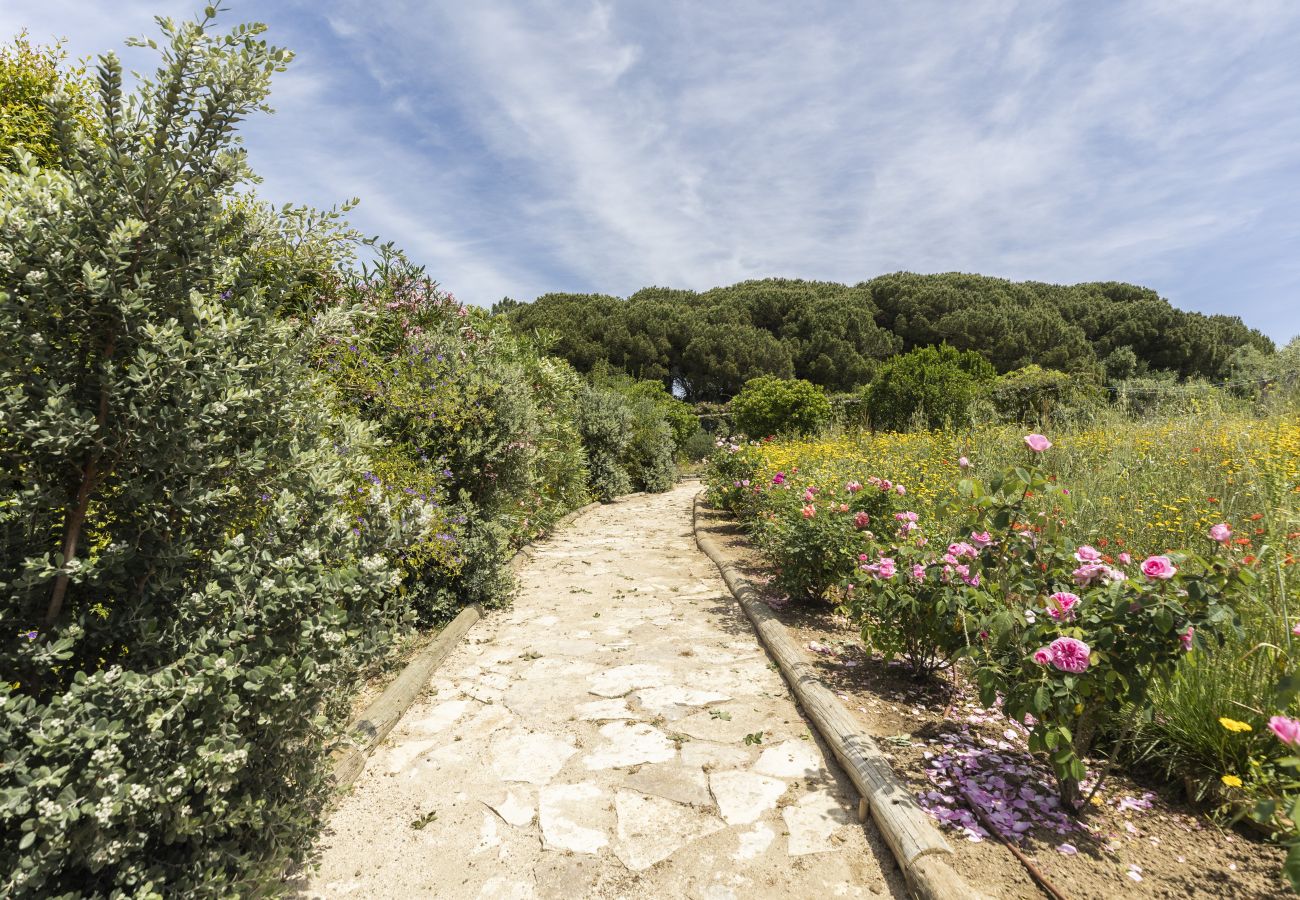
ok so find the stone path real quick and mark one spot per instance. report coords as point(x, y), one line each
point(601, 739)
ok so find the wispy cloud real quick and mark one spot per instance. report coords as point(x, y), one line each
point(520, 148)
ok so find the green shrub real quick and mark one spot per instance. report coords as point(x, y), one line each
point(28, 74)
point(928, 387)
point(698, 446)
point(605, 423)
point(651, 457)
point(188, 593)
point(561, 475)
point(769, 405)
point(1038, 397)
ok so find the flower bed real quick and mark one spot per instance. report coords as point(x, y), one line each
point(1139, 837)
point(1071, 637)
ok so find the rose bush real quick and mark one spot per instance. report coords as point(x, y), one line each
point(1066, 638)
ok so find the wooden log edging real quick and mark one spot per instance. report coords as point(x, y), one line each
point(374, 723)
point(922, 852)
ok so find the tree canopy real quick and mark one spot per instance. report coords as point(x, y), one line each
point(707, 345)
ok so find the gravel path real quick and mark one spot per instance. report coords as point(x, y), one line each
point(591, 741)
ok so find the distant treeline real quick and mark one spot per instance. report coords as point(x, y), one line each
point(710, 343)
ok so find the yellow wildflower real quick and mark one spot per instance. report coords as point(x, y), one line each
point(1231, 780)
point(1233, 724)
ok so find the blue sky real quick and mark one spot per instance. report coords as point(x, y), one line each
point(519, 148)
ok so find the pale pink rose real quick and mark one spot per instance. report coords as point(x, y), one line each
point(809, 511)
point(963, 463)
point(1287, 730)
point(1125, 559)
point(973, 580)
point(853, 487)
point(1159, 568)
point(1037, 443)
point(844, 507)
point(981, 538)
point(1061, 606)
point(1086, 554)
point(918, 574)
point(1221, 532)
point(1069, 654)
point(900, 490)
point(1043, 656)
point(1187, 636)
point(962, 549)
point(1092, 573)
point(808, 494)
point(1295, 629)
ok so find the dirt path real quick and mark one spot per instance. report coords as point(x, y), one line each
point(591, 741)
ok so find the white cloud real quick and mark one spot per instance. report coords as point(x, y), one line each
point(520, 148)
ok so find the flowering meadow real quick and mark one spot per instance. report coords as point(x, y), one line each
point(1124, 591)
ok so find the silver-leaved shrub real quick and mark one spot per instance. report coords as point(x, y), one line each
point(185, 596)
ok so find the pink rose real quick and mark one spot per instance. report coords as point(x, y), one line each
point(1042, 656)
point(808, 494)
point(1186, 637)
point(809, 511)
point(853, 487)
point(778, 478)
point(1037, 443)
point(963, 463)
point(1159, 568)
point(1086, 554)
point(1125, 559)
point(900, 490)
point(918, 574)
point(981, 538)
point(1295, 629)
point(1069, 654)
point(1221, 532)
point(962, 549)
point(1061, 606)
point(1287, 730)
point(883, 569)
point(861, 520)
point(844, 507)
